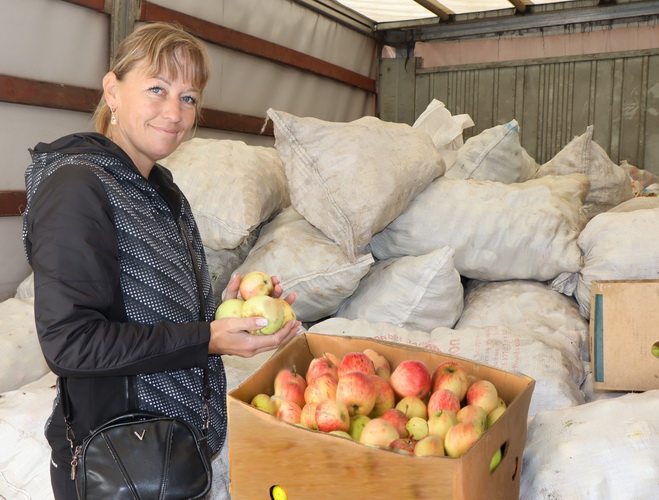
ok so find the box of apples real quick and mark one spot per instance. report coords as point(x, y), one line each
point(331, 417)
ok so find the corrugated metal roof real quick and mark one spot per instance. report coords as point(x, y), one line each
point(381, 11)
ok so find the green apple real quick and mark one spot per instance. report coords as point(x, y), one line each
point(357, 424)
point(417, 427)
point(265, 307)
point(655, 351)
point(496, 460)
point(229, 309)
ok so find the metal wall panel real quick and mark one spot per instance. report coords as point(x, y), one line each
point(553, 100)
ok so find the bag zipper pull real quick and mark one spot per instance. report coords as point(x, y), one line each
point(74, 462)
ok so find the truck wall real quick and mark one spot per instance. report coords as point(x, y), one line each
point(264, 53)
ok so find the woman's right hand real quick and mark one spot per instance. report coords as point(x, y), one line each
point(230, 336)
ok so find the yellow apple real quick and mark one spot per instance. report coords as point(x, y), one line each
point(289, 313)
point(265, 307)
point(429, 446)
point(417, 427)
point(265, 402)
point(229, 309)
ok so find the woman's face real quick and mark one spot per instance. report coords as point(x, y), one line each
point(154, 114)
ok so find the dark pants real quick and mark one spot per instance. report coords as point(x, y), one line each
point(60, 477)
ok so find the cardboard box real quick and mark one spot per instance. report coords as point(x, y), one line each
point(264, 451)
point(624, 325)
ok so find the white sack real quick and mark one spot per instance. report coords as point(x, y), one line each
point(417, 293)
point(615, 246)
point(532, 305)
point(494, 155)
point(352, 179)
point(25, 453)
point(637, 203)
point(25, 288)
point(553, 362)
point(444, 128)
point(610, 184)
point(307, 263)
point(232, 187)
point(23, 362)
point(607, 449)
point(499, 231)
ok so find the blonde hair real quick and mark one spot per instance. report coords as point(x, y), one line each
point(164, 48)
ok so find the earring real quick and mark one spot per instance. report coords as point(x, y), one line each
point(113, 120)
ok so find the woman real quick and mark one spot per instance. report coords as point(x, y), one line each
point(117, 256)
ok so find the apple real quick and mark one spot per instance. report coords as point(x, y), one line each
point(357, 423)
point(321, 388)
point(461, 437)
point(264, 402)
point(494, 415)
point(357, 391)
point(484, 394)
point(440, 422)
point(412, 406)
point(378, 433)
point(266, 307)
point(342, 434)
point(398, 419)
point(417, 427)
point(451, 375)
point(289, 375)
point(655, 351)
point(496, 460)
point(380, 363)
point(333, 358)
point(502, 403)
point(403, 445)
point(291, 391)
point(231, 308)
point(332, 415)
point(384, 399)
point(443, 399)
point(411, 378)
point(473, 413)
point(320, 366)
point(356, 362)
point(429, 446)
point(289, 412)
point(255, 283)
point(308, 416)
point(289, 312)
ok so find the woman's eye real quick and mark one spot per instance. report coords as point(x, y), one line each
point(156, 90)
point(189, 99)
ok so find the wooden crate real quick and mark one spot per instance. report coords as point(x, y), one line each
point(624, 325)
point(264, 451)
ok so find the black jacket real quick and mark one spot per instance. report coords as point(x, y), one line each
point(109, 308)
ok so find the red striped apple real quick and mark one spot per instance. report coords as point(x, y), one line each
point(255, 283)
point(451, 375)
point(443, 399)
point(357, 391)
point(398, 419)
point(356, 362)
point(332, 415)
point(461, 437)
point(411, 378)
point(484, 394)
point(378, 433)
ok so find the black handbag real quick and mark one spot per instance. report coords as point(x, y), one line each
point(143, 455)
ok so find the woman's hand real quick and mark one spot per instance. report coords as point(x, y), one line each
point(231, 336)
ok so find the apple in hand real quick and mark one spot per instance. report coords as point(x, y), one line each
point(332, 415)
point(440, 422)
point(451, 375)
point(320, 366)
point(411, 378)
point(255, 283)
point(289, 312)
point(357, 391)
point(443, 399)
point(355, 362)
point(417, 427)
point(429, 446)
point(484, 394)
point(264, 402)
point(412, 406)
point(460, 437)
point(379, 433)
point(231, 308)
point(266, 307)
point(320, 389)
point(384, 399)
point(398, 419)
